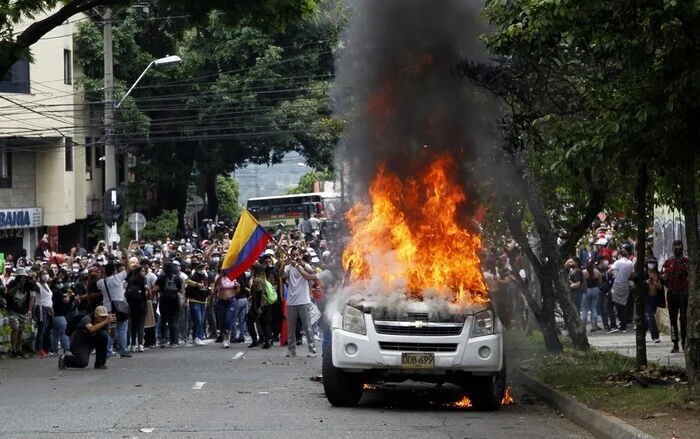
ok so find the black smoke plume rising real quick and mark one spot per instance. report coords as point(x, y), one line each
point(396, 88)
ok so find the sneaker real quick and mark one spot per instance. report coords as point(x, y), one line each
point(266, 346)
point(291, 354)
point(219, 339)
point(198, 342)
point(125, 355)
point(226, 343)
point(132, 348)
point(613, 330)
point(253, 345)
point(42, 354)
point(140, 348)
point(173, 345)
point(299, 342)
point(624, 331)
point(311, 353)
point(62, 362)
point(656, 340)
point(101, 367)
point(675, 349)
point(51, 354)
point(239, 340)
point(111, 355)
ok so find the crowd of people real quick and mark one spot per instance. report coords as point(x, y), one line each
point(602, 282)
point(167, 293)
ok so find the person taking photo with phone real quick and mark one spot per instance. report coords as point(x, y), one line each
point(90, 333)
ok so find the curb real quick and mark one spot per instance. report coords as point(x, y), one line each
point(602, 426)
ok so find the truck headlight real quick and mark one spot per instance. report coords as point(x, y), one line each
point(483, 324)
point(354, 321)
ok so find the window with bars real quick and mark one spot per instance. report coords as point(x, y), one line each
point(5, 167)
point(69, 154)
point(88, 158)
point(67, 67)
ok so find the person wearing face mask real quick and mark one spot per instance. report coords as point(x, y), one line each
point(197, 293)
point(64, 300)
point(43, 315)
point(653, 297)
point(675, 277)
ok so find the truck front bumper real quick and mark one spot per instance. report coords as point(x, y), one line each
point(354, 352)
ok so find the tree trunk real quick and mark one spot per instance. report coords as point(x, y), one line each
point(544, 313)
point(640, 268)
point(212, 209)
point(554, 264)
point(690, 212)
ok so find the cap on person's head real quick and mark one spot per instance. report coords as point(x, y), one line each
point(21, 272)
point(315, 260)
point(145, 261)
point(602, 241)
point(678, 243)
point(176, 262)
point(269, 252)
point(101, 311)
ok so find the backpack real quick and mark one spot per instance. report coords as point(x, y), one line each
point(171, 286)
point(73, 322)
point(270, 293)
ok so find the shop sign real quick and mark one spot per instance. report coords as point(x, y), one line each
point(21, 218)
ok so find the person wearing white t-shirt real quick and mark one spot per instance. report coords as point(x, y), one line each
point(297, 277)
point(622, 270)
point(112, 288)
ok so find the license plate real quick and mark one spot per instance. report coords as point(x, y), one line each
point(417, 361)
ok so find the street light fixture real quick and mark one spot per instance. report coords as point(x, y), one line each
point(169, 60)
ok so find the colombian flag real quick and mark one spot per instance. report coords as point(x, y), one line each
point(249, 240)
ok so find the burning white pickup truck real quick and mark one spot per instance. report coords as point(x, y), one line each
point(371, 344)
point(414, 304)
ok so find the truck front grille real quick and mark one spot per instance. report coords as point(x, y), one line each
point(417, 347)
point(436, 331)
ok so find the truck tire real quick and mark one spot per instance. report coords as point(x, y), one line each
point(487, 392)
point(342, 389)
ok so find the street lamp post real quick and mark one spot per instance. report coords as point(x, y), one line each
point(110, 162)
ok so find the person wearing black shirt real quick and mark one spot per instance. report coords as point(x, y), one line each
point(63, 301)
point(196, 293)
point(89, 334)
point(21, 297)
point(168, 285)
point(138, 296)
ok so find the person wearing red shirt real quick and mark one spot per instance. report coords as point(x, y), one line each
point(675, 277)
point(604, 250)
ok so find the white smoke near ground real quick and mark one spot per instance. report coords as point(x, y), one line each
point(404, 106)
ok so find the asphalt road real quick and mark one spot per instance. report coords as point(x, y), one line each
point(208, 392)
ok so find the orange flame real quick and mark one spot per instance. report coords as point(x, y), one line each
point(466, 403)
point(507, 398)
point(369, 387)
point(410, 236)
point(463, 403)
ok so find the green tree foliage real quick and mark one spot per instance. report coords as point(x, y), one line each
point(307, 181)
point(227, 193)
point(241, 95)
point(268, 14)
point(636, 97)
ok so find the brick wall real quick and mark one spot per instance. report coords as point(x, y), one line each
point(23, 192)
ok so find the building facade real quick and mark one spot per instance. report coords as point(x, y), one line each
point(50, 170)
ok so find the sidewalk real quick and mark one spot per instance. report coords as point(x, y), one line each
point(625, 345)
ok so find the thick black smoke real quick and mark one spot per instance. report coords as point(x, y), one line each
point(396, 88)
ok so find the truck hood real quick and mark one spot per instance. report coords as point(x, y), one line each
point(429, 310)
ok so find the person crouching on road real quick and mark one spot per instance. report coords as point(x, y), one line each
point(90, 333)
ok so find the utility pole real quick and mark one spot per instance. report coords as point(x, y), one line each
point(110, 166)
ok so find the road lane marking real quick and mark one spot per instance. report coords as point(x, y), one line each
point(198, 385)
point(238, 355)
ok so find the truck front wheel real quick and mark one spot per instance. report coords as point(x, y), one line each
point(342, 389)
point(487, 392)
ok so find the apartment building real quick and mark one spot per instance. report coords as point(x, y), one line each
point(51, 178)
